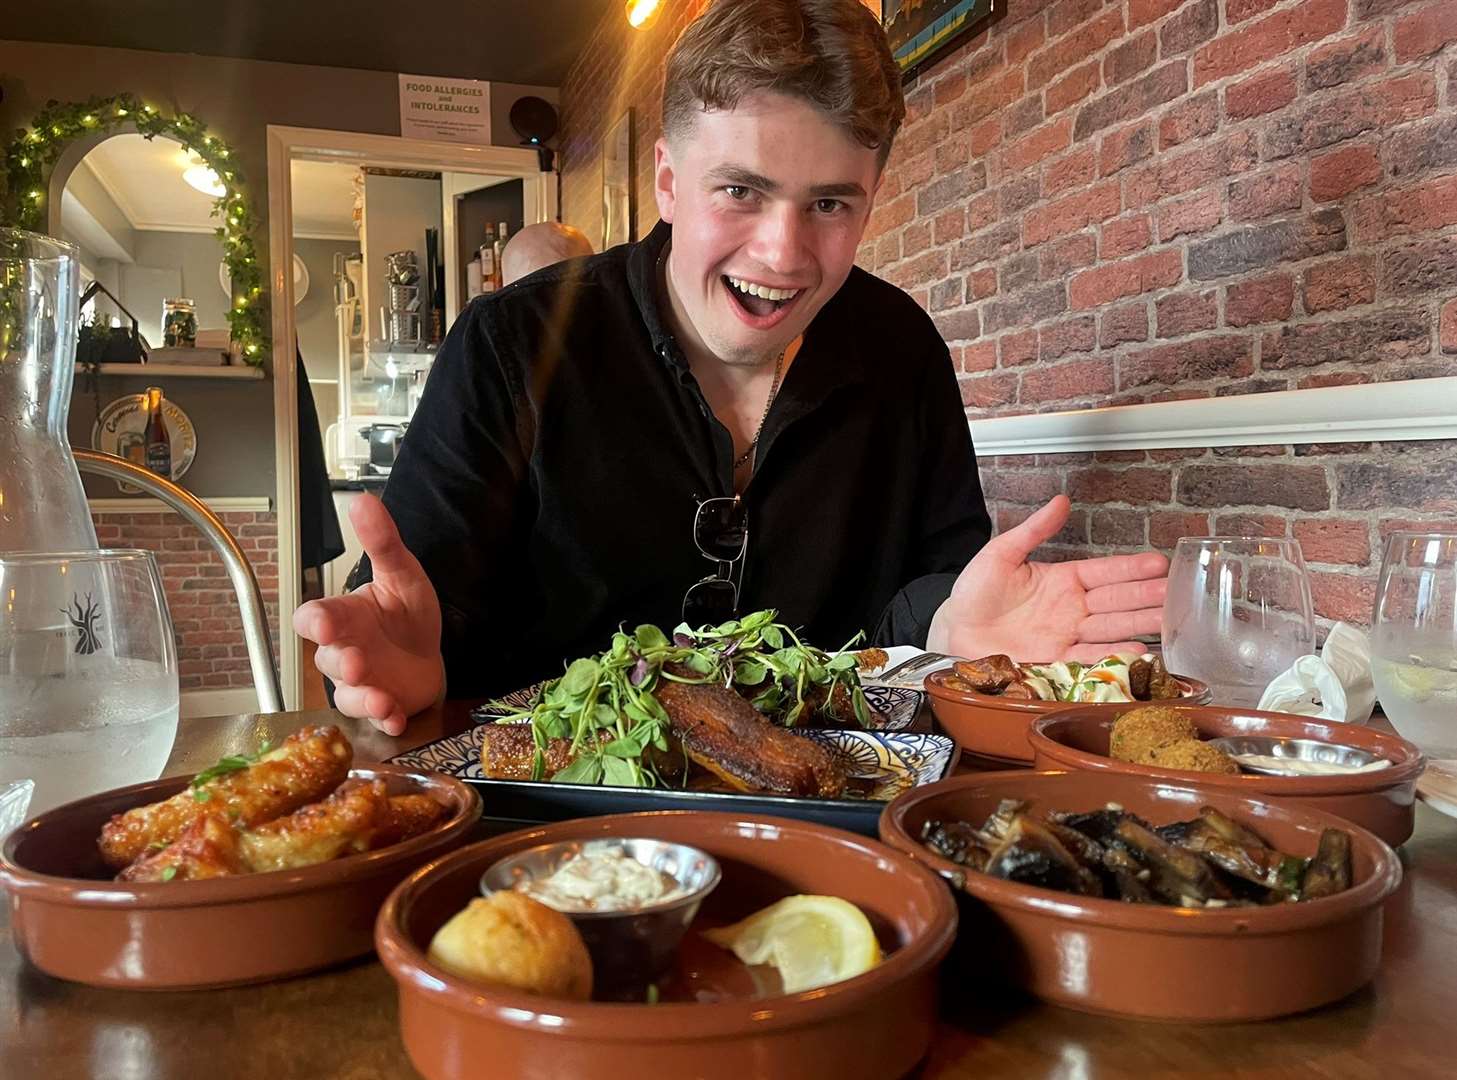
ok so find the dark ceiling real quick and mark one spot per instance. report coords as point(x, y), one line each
point(519, 41)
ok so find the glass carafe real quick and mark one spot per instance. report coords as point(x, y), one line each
point(42, 503)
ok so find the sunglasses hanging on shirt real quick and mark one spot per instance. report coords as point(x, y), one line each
point(721, 534)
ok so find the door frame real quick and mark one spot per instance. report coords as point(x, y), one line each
point(286, 144)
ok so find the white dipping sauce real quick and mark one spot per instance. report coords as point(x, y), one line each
point(1302, 767)
point(608, 880)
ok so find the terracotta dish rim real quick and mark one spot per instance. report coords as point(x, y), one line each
point(603, 1020)
point(1407, 760)
point(1147, 918)
point(1196, 693)
point(92, 893)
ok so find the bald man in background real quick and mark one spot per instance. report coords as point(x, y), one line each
point(540, 245)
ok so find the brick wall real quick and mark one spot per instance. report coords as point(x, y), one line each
point(1144, 200)
point(620, 68)
point(210, 650)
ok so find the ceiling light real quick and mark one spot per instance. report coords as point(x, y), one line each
point(642, 13)
point(204, 180)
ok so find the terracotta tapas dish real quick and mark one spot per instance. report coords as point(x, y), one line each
point(811, 952)
point(987, 706)
point(259, 868)
point(1366, 776)
point(1127, 895)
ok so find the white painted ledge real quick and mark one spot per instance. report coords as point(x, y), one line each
point(178, 371)
point(220, 505)
point(1375, 412)
point(223, 702)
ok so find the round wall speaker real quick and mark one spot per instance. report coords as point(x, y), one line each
point(533, 119)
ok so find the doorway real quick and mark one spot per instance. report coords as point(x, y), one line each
point(516, 175)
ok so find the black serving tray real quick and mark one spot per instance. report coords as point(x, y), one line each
point(531, 802)
point(920, 758)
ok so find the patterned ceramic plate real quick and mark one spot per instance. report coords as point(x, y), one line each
point(885, 763)
point(899, 707)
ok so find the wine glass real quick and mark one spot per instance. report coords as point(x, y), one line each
point(88, 672)
point(1237, 613)
point(1414, 647)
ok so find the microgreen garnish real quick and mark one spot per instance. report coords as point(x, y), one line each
point(605, 703)
point(169, 873)
point(230, 764)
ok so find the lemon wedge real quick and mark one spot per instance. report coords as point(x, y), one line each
point(812, 940)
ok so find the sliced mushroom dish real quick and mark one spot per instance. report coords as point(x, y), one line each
point(1209, 862)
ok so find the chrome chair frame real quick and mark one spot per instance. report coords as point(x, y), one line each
point(240, 572)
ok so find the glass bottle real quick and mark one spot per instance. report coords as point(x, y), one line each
point(42, 503)
point(179, 323)
point(500, 250)
point(487, 255)
point(156, 439)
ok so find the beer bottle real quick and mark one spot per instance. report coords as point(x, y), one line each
point(158, 443)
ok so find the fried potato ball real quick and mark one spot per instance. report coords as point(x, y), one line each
point(509, 939)
point(1139, 732)
point(1195, 756)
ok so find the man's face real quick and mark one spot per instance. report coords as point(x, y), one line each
point(770, 197)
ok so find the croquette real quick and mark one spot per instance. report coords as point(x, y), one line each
point(1139, 732)
point(509, 939)
point(871, 659)
point(1194, 756)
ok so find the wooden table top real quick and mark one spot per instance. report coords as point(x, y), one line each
point(342, 1022)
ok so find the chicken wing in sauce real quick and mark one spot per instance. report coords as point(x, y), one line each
point(308, 765)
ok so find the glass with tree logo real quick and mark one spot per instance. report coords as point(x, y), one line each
point(88, 672)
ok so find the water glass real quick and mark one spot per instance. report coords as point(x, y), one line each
point(1414, 646)
point(1237, 613)
point(88, 672)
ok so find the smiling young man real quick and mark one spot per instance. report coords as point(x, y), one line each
point(725, 416)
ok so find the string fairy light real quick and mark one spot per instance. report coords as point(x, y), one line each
point(31, 156)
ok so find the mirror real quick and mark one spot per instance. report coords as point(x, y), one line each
point(141, 212)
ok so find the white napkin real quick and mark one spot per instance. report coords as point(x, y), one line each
point(1336, 685)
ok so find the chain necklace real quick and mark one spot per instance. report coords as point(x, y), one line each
point(743, 458)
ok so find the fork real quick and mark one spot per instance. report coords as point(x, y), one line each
point(909, 667)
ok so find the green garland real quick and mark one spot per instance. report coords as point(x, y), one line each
point(32, 154)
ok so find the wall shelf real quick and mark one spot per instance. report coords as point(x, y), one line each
point(184, 371)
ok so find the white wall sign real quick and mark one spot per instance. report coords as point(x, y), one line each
point(447, 110)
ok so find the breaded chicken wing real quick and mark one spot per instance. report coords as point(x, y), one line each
point(308, 765)
point(359, 816)
point(208, 848)
point(344, 823)
point(407, 816)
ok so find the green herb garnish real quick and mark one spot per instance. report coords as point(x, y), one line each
point(230, 764)
point(169, 873)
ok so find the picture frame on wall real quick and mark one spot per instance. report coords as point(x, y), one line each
point(619, 209)
point(920, 30)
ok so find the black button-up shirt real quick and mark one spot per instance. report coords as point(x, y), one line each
point(550, 476)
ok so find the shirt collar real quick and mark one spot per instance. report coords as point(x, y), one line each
point(642, 280)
